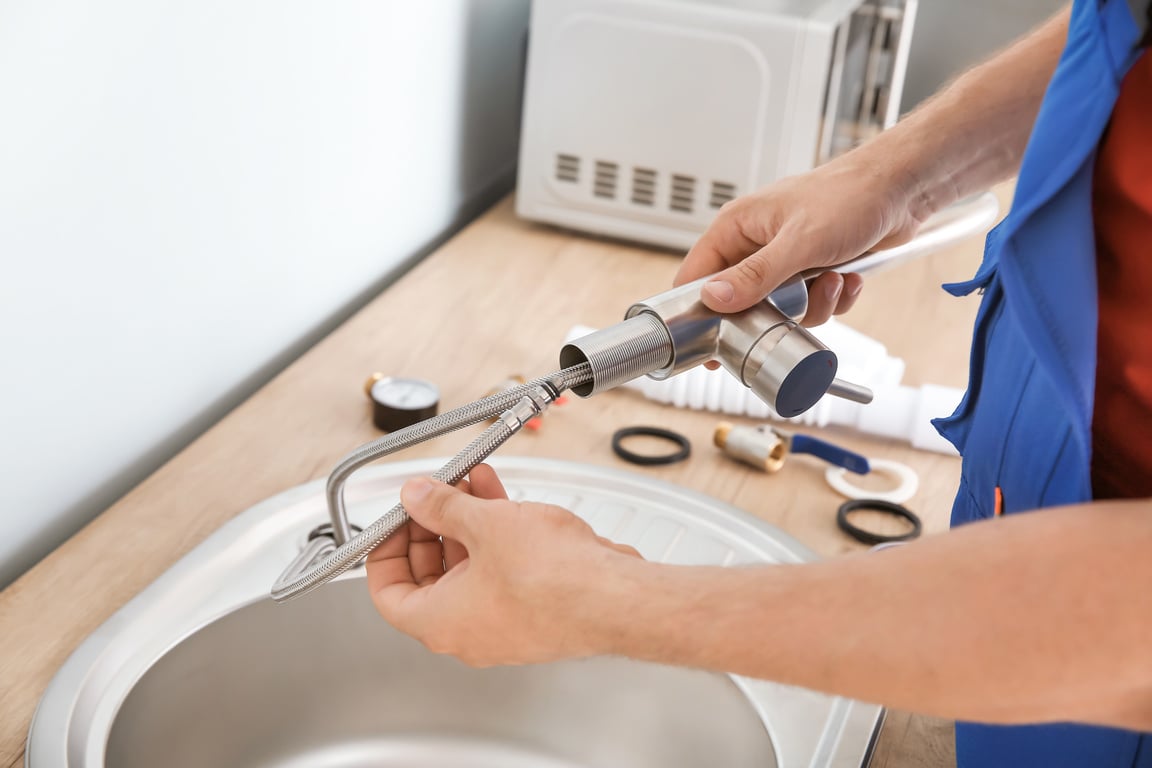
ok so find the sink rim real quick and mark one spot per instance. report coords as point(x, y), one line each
point(236, 564)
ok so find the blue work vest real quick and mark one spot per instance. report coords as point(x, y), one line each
point(1025, 424)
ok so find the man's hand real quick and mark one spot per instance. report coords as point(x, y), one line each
point(960, 142)
point(510, 583)
point(819, 219)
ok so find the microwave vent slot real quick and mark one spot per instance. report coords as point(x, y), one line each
point(643, 186)
point(722, 192)
point(568, 168)
point(683, 193)
point(605, 181)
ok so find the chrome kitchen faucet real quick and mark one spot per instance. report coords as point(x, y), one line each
point(764, 347)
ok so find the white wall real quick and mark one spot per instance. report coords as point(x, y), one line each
point(191, 193)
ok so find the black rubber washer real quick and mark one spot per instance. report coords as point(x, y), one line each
point(683, 451)
point(876, 505)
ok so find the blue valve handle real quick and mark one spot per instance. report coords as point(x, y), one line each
point(833, 454)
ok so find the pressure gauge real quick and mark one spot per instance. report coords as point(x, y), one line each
point(401, 402)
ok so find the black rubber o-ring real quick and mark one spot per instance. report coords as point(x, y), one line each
point(876, 505)
point(683, 451)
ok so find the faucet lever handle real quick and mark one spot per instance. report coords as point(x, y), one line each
point(849, 391)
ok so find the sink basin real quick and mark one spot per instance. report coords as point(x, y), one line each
point(203, 669)
point(253, 689)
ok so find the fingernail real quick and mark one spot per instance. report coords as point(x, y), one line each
point(720, 290)
point(414, 491)
point(855, 288)
point(833, 290)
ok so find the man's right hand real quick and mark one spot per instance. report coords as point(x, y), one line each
point(960, 142)
point(819, 219)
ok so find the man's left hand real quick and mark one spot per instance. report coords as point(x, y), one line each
point(492, 581)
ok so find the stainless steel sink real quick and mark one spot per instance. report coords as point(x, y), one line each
point(273, 685)
point(202, 669)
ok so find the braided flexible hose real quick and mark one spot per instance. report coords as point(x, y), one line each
point(527, 400)
point(635, 347)
point(458, 418)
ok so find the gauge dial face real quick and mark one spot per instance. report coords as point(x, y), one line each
point(405, 394)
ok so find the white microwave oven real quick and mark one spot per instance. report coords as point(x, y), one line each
point(643, 117)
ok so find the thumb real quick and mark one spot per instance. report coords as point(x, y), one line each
point(746, 283)
point(442, 509)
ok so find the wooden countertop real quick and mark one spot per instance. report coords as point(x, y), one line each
point(495, 300)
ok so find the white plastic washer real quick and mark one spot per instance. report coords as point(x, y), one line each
point(909, 482)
